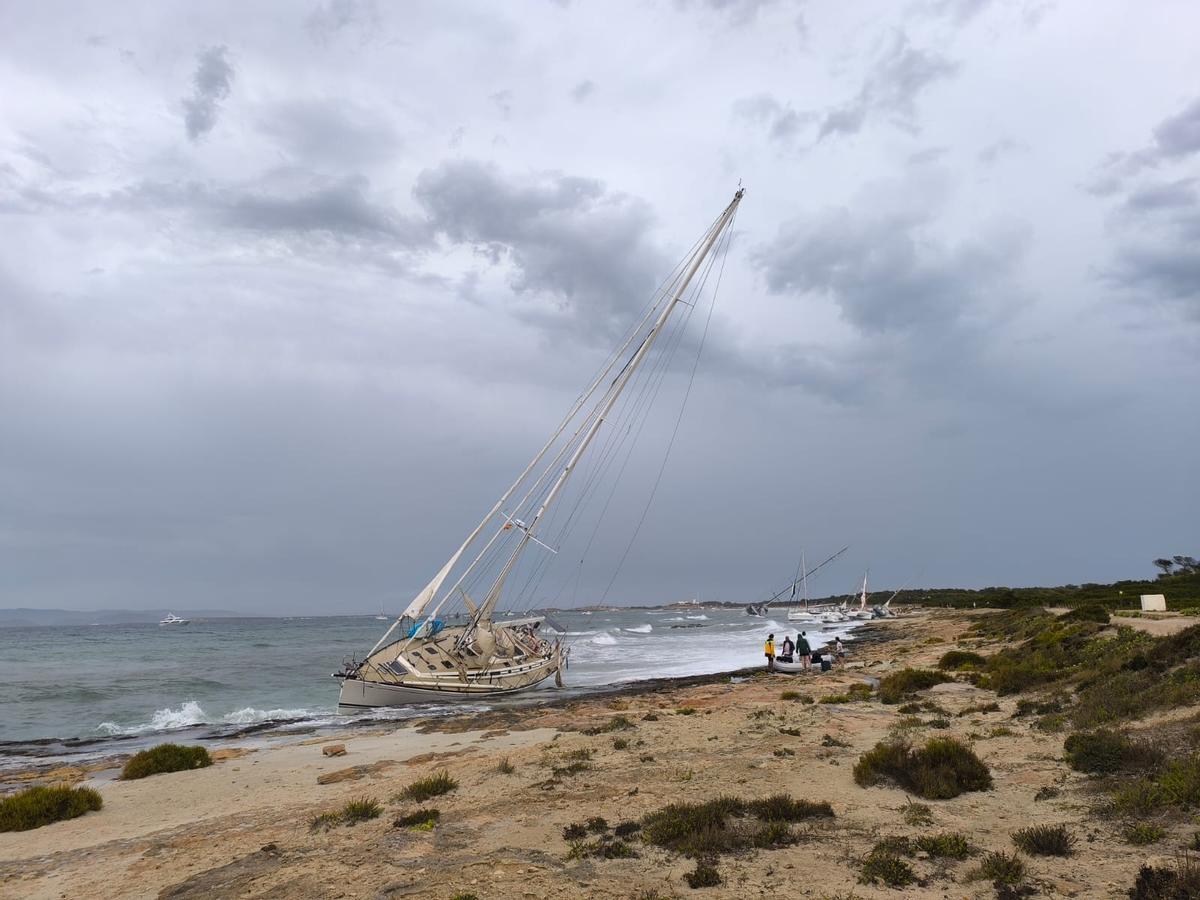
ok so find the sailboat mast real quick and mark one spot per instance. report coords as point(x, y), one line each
point(804, 578)
point(614, 393)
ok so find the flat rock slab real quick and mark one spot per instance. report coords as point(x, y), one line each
point(334, 750)
point(354, 773)
point(229, 880)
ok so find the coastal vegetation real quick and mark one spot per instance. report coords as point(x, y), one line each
point(420, 820)
point(728, 824)
point(41, 805)
point(943, 768)
point(355, 811)
point(426, 788)
point(899, 686)
point(165, 758)
point(1045, 840)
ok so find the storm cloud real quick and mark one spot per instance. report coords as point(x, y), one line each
point(211, 84)
point(288, 294)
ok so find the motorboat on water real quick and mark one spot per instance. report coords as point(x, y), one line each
point(423, 657)
point(172, 619)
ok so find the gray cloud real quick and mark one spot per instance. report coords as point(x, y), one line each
point(567, 238)
point(328, 19)
point(1174, 139)
point(583, 90)
point(211, 84)
point(737, 12)
point(891, 89)
point(781, 123)
point(999, 149)
point(885, 273)
point(335, 134)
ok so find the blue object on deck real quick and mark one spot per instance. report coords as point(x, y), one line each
point(428, 628)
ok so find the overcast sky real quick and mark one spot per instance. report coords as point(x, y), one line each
point(289, 291)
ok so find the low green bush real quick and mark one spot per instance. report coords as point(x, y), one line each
point(947, 845)
point(901, 685)
point(942, 769)
point(1045, 840)
point(1142, 833)
point(421, 820)
point(40, 805)
point(1105, 751)
point(1089, 612)
point(351, 813)
point(725, 824)
point(704, 875)
point(883, 865)
point(426, 788)
point(1002, 868)
point(960, 659)
point(1180, 882)
point(165, 758)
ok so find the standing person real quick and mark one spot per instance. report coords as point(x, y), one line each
point(769, 652)
point(839, 652)
point(786, 649)
point(802, 648)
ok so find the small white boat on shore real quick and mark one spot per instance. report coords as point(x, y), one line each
point(172, 619)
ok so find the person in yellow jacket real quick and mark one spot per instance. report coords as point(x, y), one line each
point(769, 652)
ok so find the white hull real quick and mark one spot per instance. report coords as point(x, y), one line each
point(803, 617)
point(357, 694)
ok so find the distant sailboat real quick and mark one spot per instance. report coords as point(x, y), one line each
point(420, 658)
point(382, 617)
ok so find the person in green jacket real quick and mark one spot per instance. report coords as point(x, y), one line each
point(802, 649)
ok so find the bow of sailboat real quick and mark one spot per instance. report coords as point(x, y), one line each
point(453, 641)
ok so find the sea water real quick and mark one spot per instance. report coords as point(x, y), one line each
point(75, 692)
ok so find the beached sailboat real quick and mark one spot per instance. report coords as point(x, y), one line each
point(422, 659)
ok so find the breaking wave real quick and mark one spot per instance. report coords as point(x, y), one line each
point(641, 629)
point(191, 713)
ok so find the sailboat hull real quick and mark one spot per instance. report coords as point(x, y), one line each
point(358, 695)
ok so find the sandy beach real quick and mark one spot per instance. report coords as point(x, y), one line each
point(241, 828)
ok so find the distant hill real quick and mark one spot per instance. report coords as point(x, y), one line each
point(17, 618)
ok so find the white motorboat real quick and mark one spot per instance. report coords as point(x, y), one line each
point(172, 619)
point(422, 658)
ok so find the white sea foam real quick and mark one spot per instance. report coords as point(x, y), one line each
point(641, 629)
point(604, 639)
point(251, 716)
point(701, 616)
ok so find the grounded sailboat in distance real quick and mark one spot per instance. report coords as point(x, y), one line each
point(422, 659)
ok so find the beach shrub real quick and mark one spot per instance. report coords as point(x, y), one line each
point(884, 865)
point(860, 690)
point(790, 695)
point(915, 813)
point(165, 758)
point(1142, 833)
point(649, 717)
point(505, 767)
point(1002, 868)
point(625, 829)
point(724, 824)
point(1106, 751)
point(40, 805)
point(576, 831)
point(572, 768)
point(1181, 882)
point(596, 824)
point(942, 769)
point(616, 723)
point(947, 845)
point(1046, 793)
point(903, 684)
point(783, 808)
point(360, 810)
point(426, 788)
point(1089, 612)
point(980, 708)
point(1177, 784)
point(960, 659)
point(421, 820)
point(837, 698)
point(1045, 840)
point(686, 711)
point(704, 875)
point(830, 741)
point(352, 813)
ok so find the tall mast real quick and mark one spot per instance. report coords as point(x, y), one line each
point(804, 579)
point(606, 405)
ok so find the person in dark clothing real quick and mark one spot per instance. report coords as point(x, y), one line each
point(786, 649)
point(802, 648)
